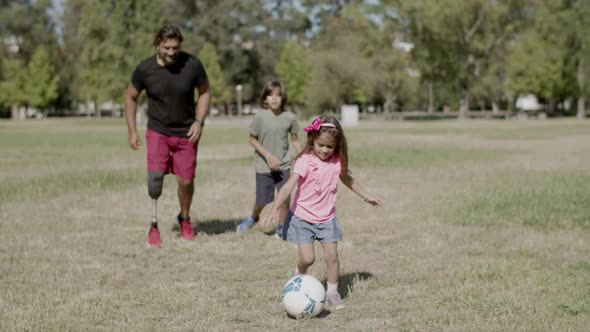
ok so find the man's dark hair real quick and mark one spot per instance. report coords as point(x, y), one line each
point(167, 32)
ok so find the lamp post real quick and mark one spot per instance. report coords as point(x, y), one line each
point(239, 98)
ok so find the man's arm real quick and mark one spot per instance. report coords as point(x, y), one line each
point(203, 102)
point(130, 113)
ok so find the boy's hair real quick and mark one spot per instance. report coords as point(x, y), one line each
point(341, 148)
point(268, 88)
point(168, 31)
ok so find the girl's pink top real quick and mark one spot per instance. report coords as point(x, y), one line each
point(315, 200)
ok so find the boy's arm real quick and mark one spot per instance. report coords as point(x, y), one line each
point(356, 187)
point(281, 197)
point(273, 162)
point(295, 142)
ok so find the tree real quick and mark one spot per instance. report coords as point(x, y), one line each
point(111, 51)
point(42, 81)
point(549, 58)
point(580, 51)
point(294, 70)
point(210, 59)
point(536, 67)
point(342, 65)
point(455, 40)
point(28, 24)
point(13, 88)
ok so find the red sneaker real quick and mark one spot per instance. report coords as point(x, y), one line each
point(154, 238)
point(186, 230)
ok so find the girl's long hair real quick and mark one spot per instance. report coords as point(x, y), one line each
point(341, 148)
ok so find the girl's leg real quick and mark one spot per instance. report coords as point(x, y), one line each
point(306, 257)
point(332, 262)
point(333, 298)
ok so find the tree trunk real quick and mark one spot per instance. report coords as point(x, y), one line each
point(581, 107)
point(97, 110)
point(389, 106)
point(581, 87)
point(495, 107)
point(430, 98)
point(463, 97)
point(464, 102)
point(14, 112)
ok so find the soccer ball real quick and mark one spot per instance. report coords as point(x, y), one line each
point(303, 296)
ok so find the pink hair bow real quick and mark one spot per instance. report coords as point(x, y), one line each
point(316, 125)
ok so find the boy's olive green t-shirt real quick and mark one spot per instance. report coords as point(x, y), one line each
point(272, 132)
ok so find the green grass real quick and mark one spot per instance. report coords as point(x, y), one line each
point(217, 136)
point(495, 130)
point(57, 184)
point(504, 292)
point(542, 200)
point(399, 156)
point(83, 156)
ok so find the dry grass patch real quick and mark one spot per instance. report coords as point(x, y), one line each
point(74, 256)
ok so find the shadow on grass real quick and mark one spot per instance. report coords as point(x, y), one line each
point(323, 314)
point(213, 226)
point(347, 281)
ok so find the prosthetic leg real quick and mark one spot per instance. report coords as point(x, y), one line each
point(155, 183)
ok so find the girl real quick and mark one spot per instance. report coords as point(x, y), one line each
point(312, 216)
point(269, 136)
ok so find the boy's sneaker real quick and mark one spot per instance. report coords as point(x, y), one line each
point(154, 238)
point(335, 301)
point(186, 229)
point(245, 225)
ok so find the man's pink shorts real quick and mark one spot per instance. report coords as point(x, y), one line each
point(176, 155)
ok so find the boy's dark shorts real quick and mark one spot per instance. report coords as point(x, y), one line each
point(266, 184)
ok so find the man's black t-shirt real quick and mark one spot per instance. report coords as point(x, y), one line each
point(171, 92)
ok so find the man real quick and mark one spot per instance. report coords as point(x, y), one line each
point(174, 127)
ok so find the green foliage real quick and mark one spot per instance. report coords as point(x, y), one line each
point(42, 82)
point(28, 23)
point(456, 41)
point(535, 67)
point(210, 59)
point(480, 50)
point(341, 65)
point(110, 52)
point(545, 60)
point(294, 70)
point(13, 88)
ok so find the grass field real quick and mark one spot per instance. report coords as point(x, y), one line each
point(485, 227)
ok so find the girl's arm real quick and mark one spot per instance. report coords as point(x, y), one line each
point(356, 187)
point(273, 162)
point(281, 197)
point(296, 143)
